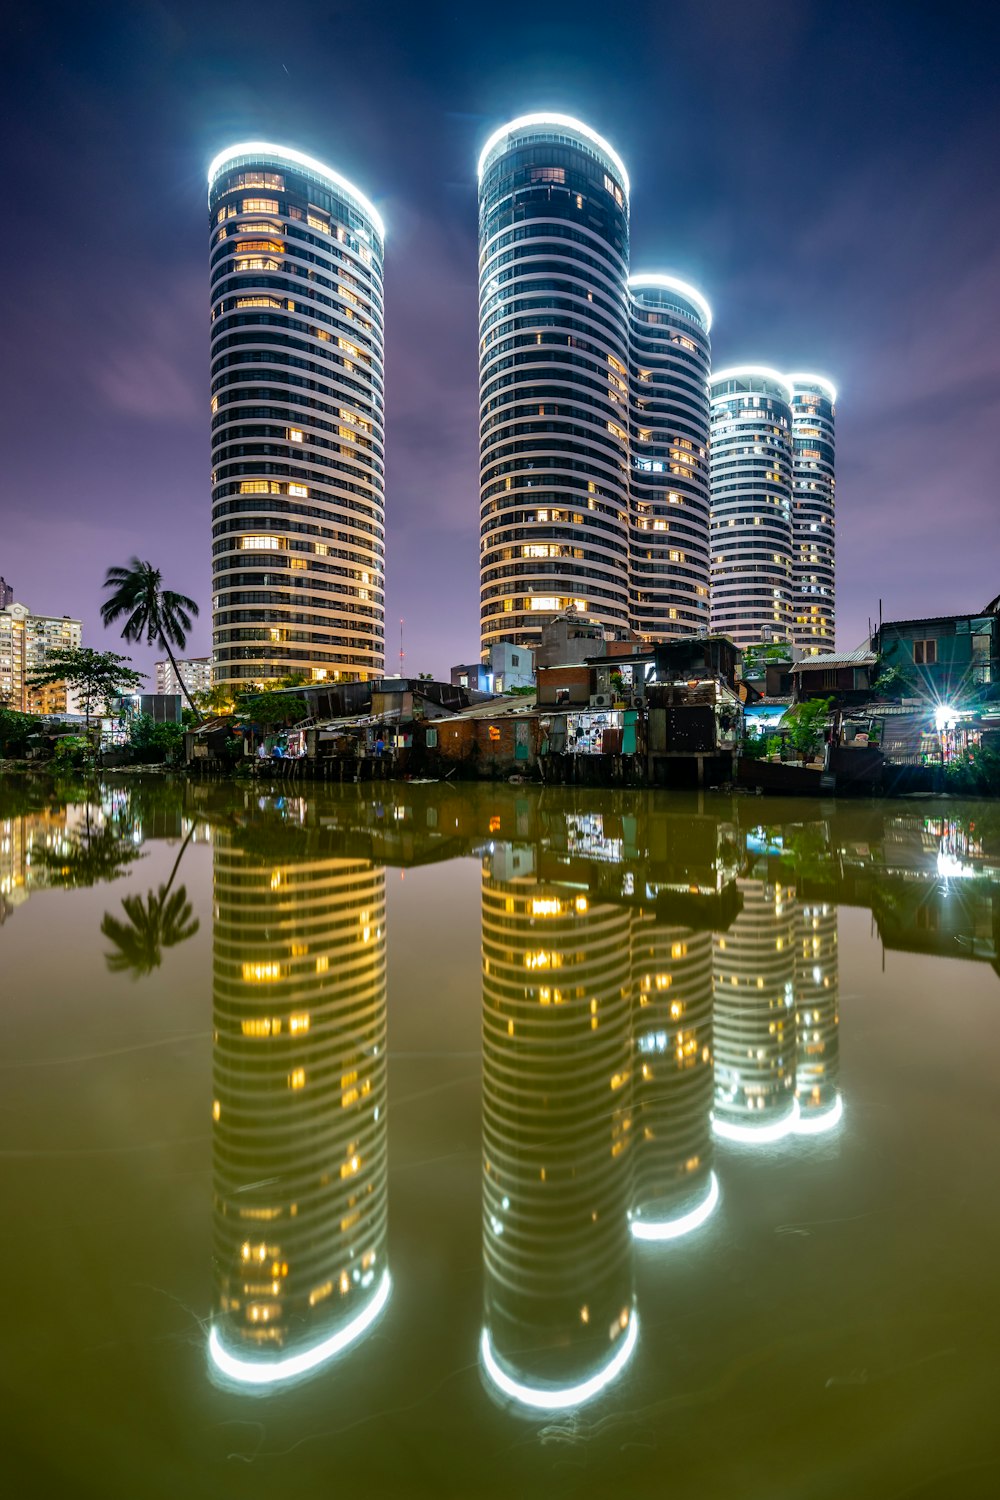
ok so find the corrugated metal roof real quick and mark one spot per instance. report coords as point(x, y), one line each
point(862, 657)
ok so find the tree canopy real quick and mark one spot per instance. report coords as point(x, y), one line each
point(94, 676)
point(152, 612)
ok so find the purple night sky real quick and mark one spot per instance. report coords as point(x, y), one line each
point(824, 173)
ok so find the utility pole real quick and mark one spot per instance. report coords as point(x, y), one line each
point(401, 651)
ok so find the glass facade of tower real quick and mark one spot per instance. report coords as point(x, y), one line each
point(668, 378)
point(813, 514)
point(553, 370)
point(751, 528)
point(298, 489)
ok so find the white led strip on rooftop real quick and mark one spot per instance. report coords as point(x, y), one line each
point(674, 284)
point(563, 122)
point(763, 372)
point(267, 151)
point(758, 1135)
point(820, 380)
point(674, 1229)
point(261, 1372)
point(559, 1398)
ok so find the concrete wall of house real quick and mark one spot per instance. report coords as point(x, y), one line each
point(567, 686)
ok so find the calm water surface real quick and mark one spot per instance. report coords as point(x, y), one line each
point(496, 1141)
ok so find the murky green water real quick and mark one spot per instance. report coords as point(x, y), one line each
point(474, 1141)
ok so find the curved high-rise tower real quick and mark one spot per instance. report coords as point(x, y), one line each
point(668, 378)
point(755, 1043)
point(560, 1321)
point(817, 1018)
point(553, 378)
point(813, 513)
point(298, 488)
point(751, 533)
point(299, 1110)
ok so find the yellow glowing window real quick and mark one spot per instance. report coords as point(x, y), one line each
point(262, 543)
point(261, 1026)
point(348, 348)
point(617, 432)
point(546, 906)
point(298, 1022)
point(297, 1078)
point(321, 549)
point(298, 489)
point(259, 180)
point(295, 435)
point(315, 222)
point(260, 487)
point(260, 205)
point(545, 602)
point(298, 564)
point(322, 964)
point(275, 247)
point(257, 263)
point(262, 973)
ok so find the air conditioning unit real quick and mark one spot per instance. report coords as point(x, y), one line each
point(638, 701)
point(599, 700)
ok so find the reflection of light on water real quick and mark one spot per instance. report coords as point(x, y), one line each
point(819, 1124)
point(273, 1372)
point(559, 1398)
point(674, 1229)
point(758, 1135)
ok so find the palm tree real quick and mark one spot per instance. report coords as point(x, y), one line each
point(158, 613)
point(161, 921)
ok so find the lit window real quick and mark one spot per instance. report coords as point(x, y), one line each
point(262, 543)
point(548, 174)
point(547, 603)
point(260, 205)
point(295, 435)
point(316, 223)
point(298, 489)
point(261, 973)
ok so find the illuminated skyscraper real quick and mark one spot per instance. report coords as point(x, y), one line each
point(675, 1187)
point(298, 486)
point(813, 513)
point(754, 982)
point(553, 378)
point(751, 532)
point(817, 1017)
point(669, 371)
point(560, 1321)
point(299, 1109)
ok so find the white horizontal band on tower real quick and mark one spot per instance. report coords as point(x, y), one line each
point(267, 151)
point(557, 122)
point(654, 279)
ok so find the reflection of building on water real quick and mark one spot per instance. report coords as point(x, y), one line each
point(817, 1018)
point(560, 1319)
point(754, 985)
point(25, 836)
point(675, 1186)
point(299, 1110)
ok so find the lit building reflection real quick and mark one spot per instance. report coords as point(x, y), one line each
point(299, 1110)
point(754, 985)
point(560, 1320)
point(817, 1019)
point(675, 1189)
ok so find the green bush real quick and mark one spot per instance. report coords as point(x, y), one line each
point(979, 775)
point(152, 742)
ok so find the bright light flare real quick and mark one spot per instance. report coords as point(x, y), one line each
point(657, 1231)
point(559, 1398)
point(261, 1372)
point(945, 717)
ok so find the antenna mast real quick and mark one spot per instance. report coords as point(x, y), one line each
point(401, 651)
